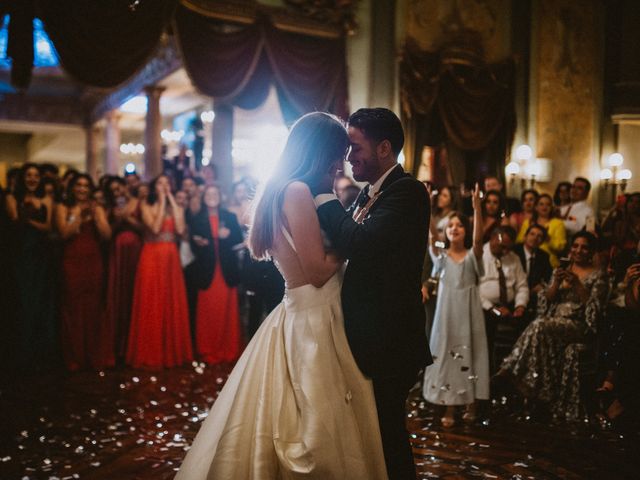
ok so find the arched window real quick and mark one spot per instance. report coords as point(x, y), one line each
point(44, 53)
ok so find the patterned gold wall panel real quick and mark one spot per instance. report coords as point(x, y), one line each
point(432, 22)
point(566, 74)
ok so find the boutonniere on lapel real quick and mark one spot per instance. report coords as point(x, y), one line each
point(362, 212)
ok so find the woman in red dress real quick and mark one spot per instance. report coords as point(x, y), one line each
point(159, 333)
point(126, 244)
point(216, 236)
point(87, 338)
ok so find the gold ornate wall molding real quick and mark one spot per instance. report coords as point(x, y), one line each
point(484, 24)
point(320, 18)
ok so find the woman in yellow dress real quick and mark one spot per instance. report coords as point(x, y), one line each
point(544, 215)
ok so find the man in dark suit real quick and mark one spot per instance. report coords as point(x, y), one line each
point(535, 263)
point(384, 237)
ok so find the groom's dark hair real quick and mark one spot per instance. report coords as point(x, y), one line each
point(379, 124)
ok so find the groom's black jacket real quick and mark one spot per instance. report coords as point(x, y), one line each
point(381, 299)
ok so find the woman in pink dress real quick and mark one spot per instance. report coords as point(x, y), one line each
point(216, 237)
point(159, 332)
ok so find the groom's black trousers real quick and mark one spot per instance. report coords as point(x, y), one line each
point(391, 395)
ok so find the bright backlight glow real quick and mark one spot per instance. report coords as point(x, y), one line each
point(261, 151)
point(137, 104)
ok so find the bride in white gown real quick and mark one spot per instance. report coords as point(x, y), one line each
point(295, 406)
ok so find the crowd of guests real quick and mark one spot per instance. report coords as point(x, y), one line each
point(526, 295)
point(517, 291)
point(123, 272)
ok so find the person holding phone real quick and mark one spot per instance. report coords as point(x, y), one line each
point(617, 393)
point(540, 365)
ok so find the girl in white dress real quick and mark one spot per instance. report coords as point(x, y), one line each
point(459, 374)
point(295, 406)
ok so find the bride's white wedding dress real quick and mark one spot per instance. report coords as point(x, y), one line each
point(295, 406)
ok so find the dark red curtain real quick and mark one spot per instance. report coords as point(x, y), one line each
point(309, 72)
point(236, 64)
point(449, 100)
point(226, 62)
point(104, 43)
point(20, 40)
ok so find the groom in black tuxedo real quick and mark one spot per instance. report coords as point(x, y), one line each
point(384, 237)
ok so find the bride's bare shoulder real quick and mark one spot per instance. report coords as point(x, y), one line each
point(297, 196)
point(297, 190)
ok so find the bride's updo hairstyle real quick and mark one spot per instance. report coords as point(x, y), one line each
point(316, 142)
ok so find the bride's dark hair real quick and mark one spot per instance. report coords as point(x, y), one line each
point(315, 143)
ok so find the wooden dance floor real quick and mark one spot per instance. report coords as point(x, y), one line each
point(128, 424)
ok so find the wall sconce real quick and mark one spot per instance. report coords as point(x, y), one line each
point(615, 176)
point(524, 153)
point(623, 177)
point(533, 170)
point(512, 170)
point(606, 175)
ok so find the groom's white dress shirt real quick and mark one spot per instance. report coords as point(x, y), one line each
point(323, 198)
